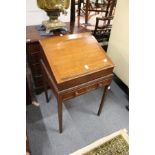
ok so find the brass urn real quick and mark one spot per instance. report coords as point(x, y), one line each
point(53, 8)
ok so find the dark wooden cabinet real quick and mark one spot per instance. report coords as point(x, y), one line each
point(33, 51)
point(33, 57)
point(28, 95)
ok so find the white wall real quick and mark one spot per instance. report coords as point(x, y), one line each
point(35, 16)
point(118, 48)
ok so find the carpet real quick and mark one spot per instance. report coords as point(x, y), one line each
point(81, 125)
point(114, 144)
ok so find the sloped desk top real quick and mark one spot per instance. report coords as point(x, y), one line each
point(75, 55)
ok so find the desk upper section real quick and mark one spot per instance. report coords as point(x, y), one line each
point(73, 56)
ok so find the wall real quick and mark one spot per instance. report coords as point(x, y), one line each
point(35, 16)
point(118, 48)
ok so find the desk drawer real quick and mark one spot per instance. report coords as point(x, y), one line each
point(86, 88)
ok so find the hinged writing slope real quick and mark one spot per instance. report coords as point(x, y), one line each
point(75, 59)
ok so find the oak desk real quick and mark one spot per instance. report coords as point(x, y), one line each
point(73, 65)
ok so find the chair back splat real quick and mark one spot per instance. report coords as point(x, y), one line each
point(104, 24)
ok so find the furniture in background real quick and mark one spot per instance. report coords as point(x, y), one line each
point(30, 94)
point(73, 65)
point(104, 24)
point(94, 6)
point(102, 32)
point(33, 51)
point(72, 11)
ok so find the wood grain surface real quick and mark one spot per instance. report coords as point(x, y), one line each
point(75, 55)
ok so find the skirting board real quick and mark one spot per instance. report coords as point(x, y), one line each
point(122, 85)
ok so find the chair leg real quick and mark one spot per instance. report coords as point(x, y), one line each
point(96, 26)
point(103, 99)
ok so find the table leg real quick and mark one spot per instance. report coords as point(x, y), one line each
point(72, 16)
point(79, 11)
point(45, 88)
point(103, 99)
point(46, 94)
point(59, 99)
point(86, 13)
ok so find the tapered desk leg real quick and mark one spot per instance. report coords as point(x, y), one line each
point(103, 99)
point(60, 113)
point(45, 89)
point(44, 81)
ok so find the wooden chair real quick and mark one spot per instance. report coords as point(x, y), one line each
point(93, 6)
point(102, 30)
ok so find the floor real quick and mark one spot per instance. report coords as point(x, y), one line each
point(81, 125)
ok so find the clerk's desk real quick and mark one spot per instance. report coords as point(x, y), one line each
point(73, 65)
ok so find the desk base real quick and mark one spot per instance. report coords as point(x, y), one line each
point(75, 91)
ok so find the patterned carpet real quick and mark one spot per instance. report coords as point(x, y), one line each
point(116, 143)
point(115, 146)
